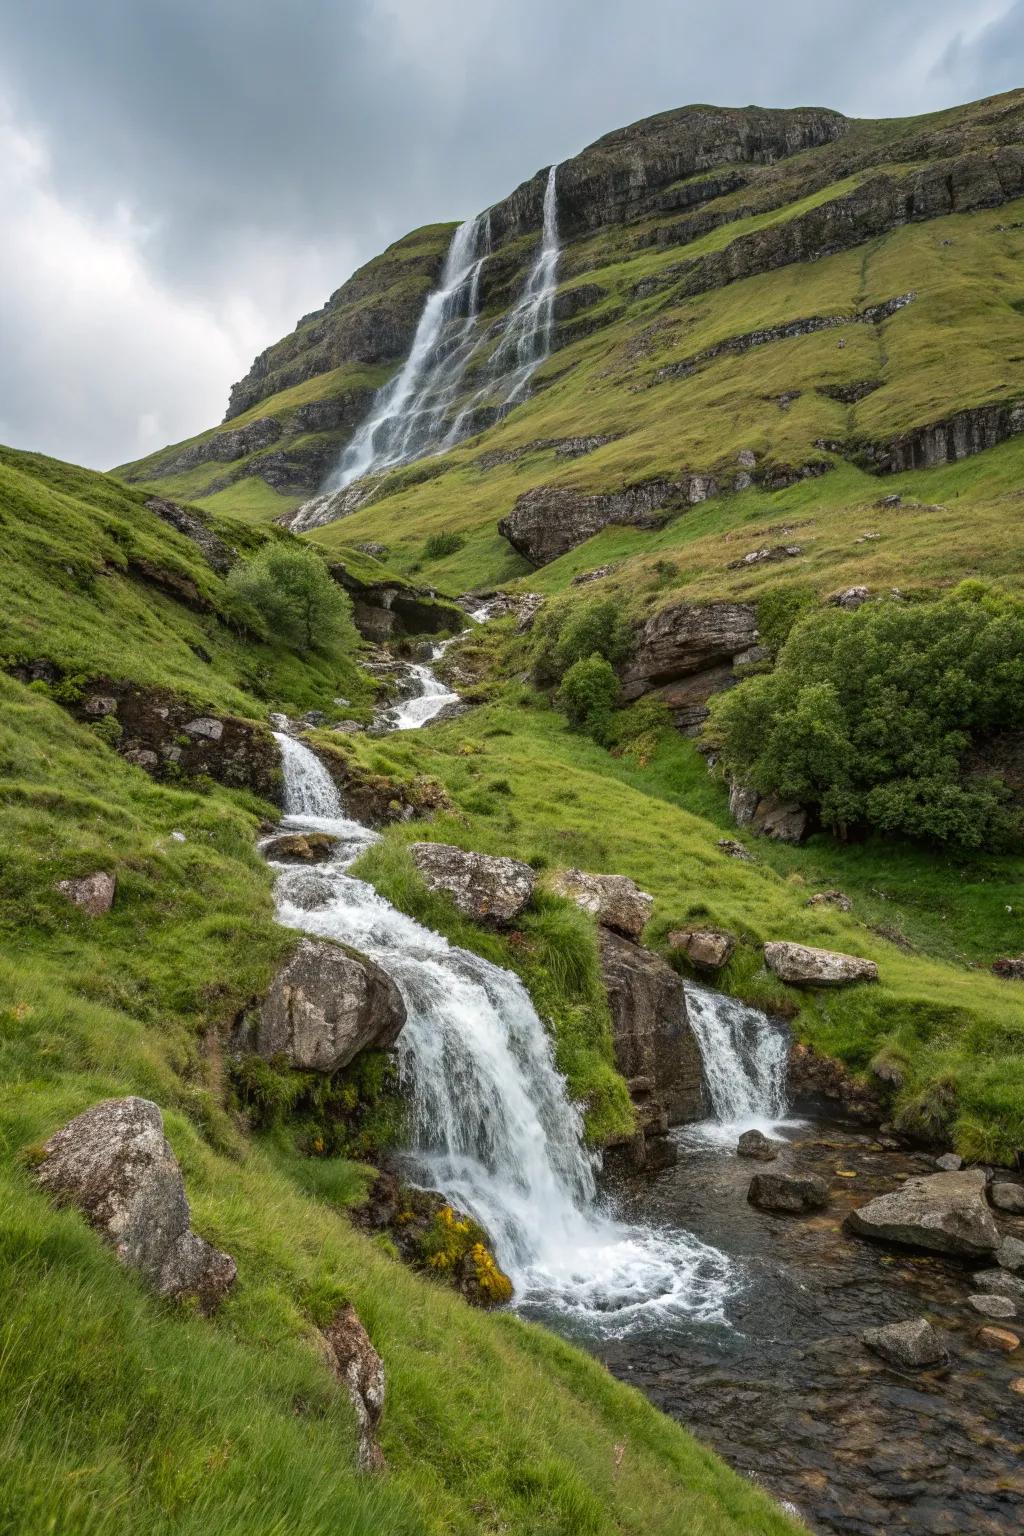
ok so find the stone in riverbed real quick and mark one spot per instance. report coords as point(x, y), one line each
point(707, 949)
point(789, 1192)
point(999, 1282)
point(1008, 1197)
point(998, 1338)
point(757, 1145)
point(114, 1163)
point(990, 1304)
point(301, 847)
point(949, 1162)
point(325, 1005)
point(913, 1345)
point(651, 1033)
point(943, 1212)
point(485, 888)
point(93, 894)
point(1010, 1255)
point(802, 966)
point(616, 901)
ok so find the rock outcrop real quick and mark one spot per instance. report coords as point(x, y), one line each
point(956, 437)
point(549, 520)
point(213, 549)
point(483, 887)
point(358, 1366)
point(92, 894)
point(325, 1005)
point(707, 949)
point(617, 902)
point(432, 1236)
point(802, 966)
point(654, 1044)
point(389, 610)
point(912, 1345)
point(114, 1163)
point(687, 652)
point(943, 1212)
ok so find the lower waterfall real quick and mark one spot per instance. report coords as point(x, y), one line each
point(744, 1055)
point(492, 1127)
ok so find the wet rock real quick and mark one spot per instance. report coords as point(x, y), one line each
point(955, 437)
point(433, 1236)
point(1007, 1197)
point(93, 894)
point(650, 1029)
point(616, 901)
point(359, 1367)
point(757, 1145)
point(308, 892)
point(549, 520)
point(992, 1304)
point(999, 1282)
point(485, 888)
point(114, 1163)
point(1010, 1255)
point(912, 1345)
point(707, 949)
point(998, 1338)
point(949, 1162)
point(325, 1005)
point(943, 1212)
point(831, 899)
point(802, 966)
point(792, 1193)
point(812, 1075)
point(301, 848)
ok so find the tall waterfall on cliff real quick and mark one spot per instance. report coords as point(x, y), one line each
point(744, 1055)
point(492, 1126)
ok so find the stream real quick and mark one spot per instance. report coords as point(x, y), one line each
point(744, 1326)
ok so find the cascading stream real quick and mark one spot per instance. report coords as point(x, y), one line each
point(430, 697)
point(491, 1124)
point(744, 1055)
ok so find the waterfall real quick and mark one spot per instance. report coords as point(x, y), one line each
point(744, 1055)
point(430, 697)
point(491, 1124)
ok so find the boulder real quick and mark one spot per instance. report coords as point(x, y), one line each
point(831, 899)
point(1010, 1255)
point(742, 803)
point(782, 820)
point(301, 848)
point(651, 1033)
point(114, 1163)
point(992, 1304)
point(1008, 1197)
point(324, 1006)
point(734, 850)
point(949, 1162)
point(707, 949)
point(999, 1282)
point(488, 889)
point(1010, 968)
point(549, 520)
point(793, 1193)
point(911, 1345)
point(94, 893)
point(998, 1338)
point(616, 901)
point(802, 966)
point(943, 1212)
point(685, 638)
point(361, 1370)
point(757, 1145)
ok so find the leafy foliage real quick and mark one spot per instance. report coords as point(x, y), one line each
point(871, 716)
point(286, 590)
point(440, 544)
point(587, 695)
point(567, 632)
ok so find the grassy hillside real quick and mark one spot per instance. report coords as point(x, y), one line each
point(119, 1411)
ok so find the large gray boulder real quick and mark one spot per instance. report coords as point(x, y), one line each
point(1007, 1197)
point(803, 966)
point(650, 1030)
point(793, 1193)
point(616, 901)
point(707, 949)
point(114, 1163)
point(324, 1006)
point(486, 888)
point(912, 1345)
point(943, 1212)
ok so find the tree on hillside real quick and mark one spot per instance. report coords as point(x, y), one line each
point(286, 592)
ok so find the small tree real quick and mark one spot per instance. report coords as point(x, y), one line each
point(286, 592)
point(587, 697)
point(572, 631)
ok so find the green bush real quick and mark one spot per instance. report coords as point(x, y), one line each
point(567, 632)
point(873, 717)
point(286, 592)
point(587, 697)
point(440, 544)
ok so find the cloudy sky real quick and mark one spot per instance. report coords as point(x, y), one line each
point(181, 179)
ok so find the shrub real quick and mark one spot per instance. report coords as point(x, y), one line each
point(587, 697)
point(873, 716)
point(440, 544)
point(567, 632)
point(286, 592)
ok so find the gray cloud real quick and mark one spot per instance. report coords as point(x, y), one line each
point(181, 179)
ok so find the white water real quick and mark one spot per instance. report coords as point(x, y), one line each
point(744, 1056)
point(492, 1126)
point(431, 697)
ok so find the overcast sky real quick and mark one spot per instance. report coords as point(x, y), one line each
point(181, 179)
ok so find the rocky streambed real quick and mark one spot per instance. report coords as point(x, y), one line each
point(784, 1387)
